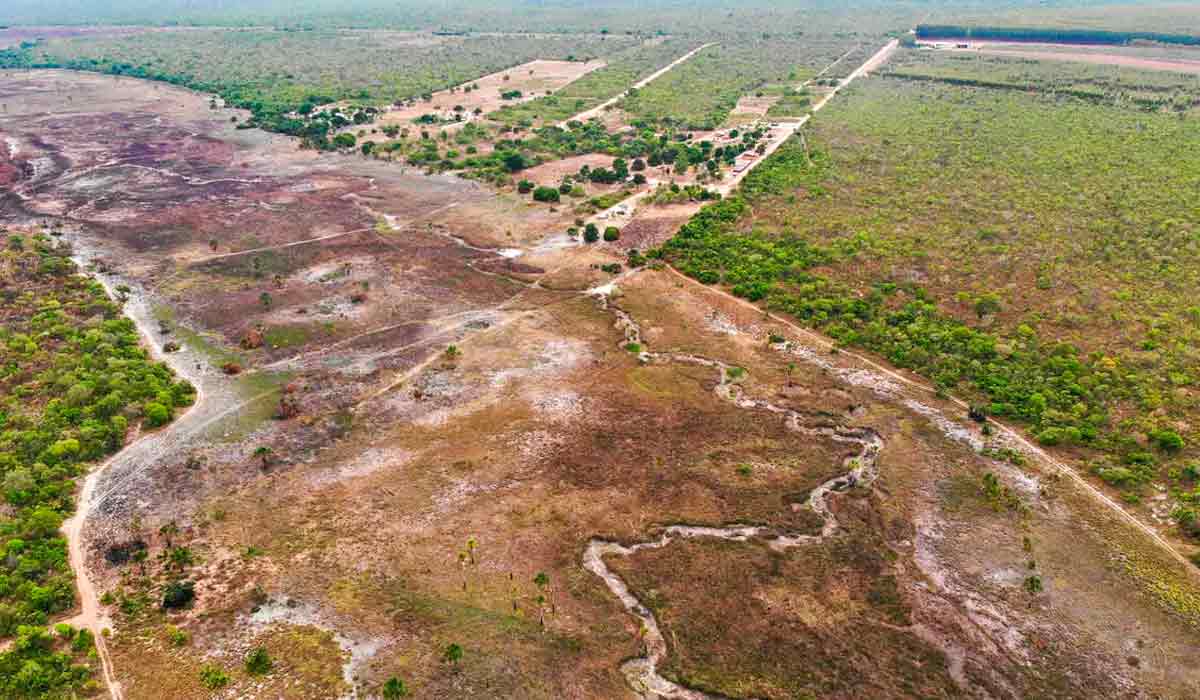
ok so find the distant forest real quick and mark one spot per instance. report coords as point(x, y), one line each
point(1050, 35)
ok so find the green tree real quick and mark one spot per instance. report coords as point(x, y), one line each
point(156, 414)
point(546, 194)
point(515, 162)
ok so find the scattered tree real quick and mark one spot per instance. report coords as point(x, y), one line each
point(258, 662)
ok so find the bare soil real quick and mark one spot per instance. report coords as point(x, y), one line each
point(533, 79)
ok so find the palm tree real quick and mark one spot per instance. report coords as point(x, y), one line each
point(453, 654)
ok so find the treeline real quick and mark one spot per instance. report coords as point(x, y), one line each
point(1050, 35)
point(74, 380)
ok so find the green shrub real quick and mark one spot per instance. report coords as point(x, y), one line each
point(213, 677)
point(394, 689)
point(178, 594)
point(612, 233)
point(1167, 440)
point(258, 662)
point(546, 194)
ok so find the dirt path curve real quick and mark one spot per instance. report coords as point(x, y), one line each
point(599, 109)
point(215, 399)
point(1011, 433)
point(861, 471)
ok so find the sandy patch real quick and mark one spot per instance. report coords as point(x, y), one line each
point(533, 79)
point(750, 105)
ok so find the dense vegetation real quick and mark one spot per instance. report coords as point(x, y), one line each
point(1052, 35)
point(615, 16)
point(275, 73)
point(700, 93)
point(73, 380)
point(1024, 251)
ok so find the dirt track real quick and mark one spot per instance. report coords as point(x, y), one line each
point(1064, 52)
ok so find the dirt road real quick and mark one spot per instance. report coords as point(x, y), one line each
point(599, 109)
point(215, 399)
point(1071, 54)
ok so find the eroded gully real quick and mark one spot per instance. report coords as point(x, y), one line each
point(861, 471)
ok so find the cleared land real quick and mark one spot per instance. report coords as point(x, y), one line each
point(1177, 61)
point(1175, 87)
point(623, 70)
point(473, 99)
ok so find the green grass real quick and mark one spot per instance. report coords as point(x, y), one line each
point(793, 103)
point(284, 68)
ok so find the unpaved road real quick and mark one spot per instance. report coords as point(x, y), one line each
point(215, 399)
point(599, 109)
point(1068, 53)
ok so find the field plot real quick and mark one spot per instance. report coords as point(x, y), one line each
point(1159, 84)
point(701, 93)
